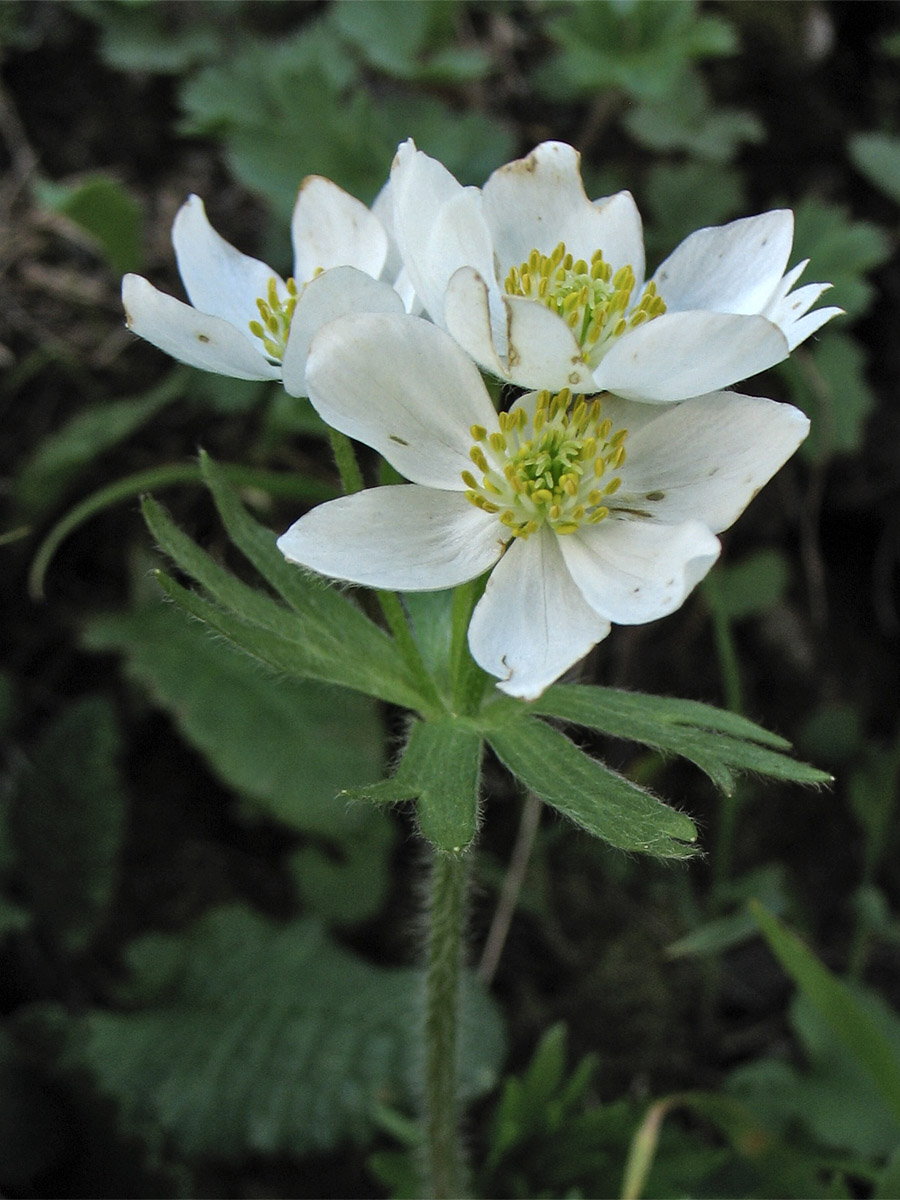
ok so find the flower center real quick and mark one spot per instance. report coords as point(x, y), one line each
point(594, 302)
point(554, 469)
point(275, 319)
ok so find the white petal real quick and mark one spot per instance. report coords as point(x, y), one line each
point(467, 316)
point(687, 354)
point(406, 538)
point(789, 309)
point(538, 201)
point(190, 336)
point(730, 268)
point(218, 279)
point(404, 387)
point(331, 228)
point(708, 456)
point(420, 187)
point(631, 571)
point(459, 238)
point(532, 623)
point(797, 331)
point(542, 351)
point(341, 291)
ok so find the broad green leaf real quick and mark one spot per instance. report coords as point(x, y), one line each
point(718, 742)
point(440, 770)
point(644, 48)
point(877, 156)
point(269, 1039)
point(688, 120)
point(258, 104)
point(63, 456)
point(412, 42)
point(589, 793)
point(146, 37)
point(106, 210)
point(748, 588)
point(67, 821)
point(290, 746)
point(850, 1019)
point(841, 251)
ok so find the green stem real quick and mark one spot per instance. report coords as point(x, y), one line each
point(348, 467)
point(444, 1164)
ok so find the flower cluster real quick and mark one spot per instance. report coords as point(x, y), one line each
point(596, 497)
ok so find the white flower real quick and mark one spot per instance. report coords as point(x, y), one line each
point(588, 511)
point(545, 288)
point(246, 321)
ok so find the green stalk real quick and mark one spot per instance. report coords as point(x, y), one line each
point(444, 1163)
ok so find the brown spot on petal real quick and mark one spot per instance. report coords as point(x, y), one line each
point(204, 338)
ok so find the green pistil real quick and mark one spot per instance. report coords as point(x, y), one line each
point(275, 314)
point(552, 470)
point(594, 302)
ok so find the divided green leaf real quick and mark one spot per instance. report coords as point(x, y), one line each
point(265, 1039)
point(289, 745)
point(718, 742)
point(589, 793)
point(440, 770)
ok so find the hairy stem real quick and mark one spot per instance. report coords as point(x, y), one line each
point(444, 1165)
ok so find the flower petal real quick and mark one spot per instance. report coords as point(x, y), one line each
point(705, 458)
point(438, 225)
point(404, 387)
point(467, 316)
point(788, 309)
point(541, 350)
point(631, 571)
point(687, 354)
point(191, 336)
point(539, 201)
point(532, 623)
point(405, 537)
point(331, 228)
point(341, 291)
point(729, 268)
point(217, 278)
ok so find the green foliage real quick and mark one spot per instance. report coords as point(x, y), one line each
point(639, 46)
point(587, 792)
point(258, 102)
point(829, 383)
point(688, 120)
point(679, 197)
point(410, 42)
point(104, 209)
point(877, 156)
point(163, 38)
point(862, 1025)
point(253, 1038)
point(440, 769)
point(320, 636)
point(66, 820)
point(289, 745)
point(62, 458)
point(718, 742)
point(841, 250)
